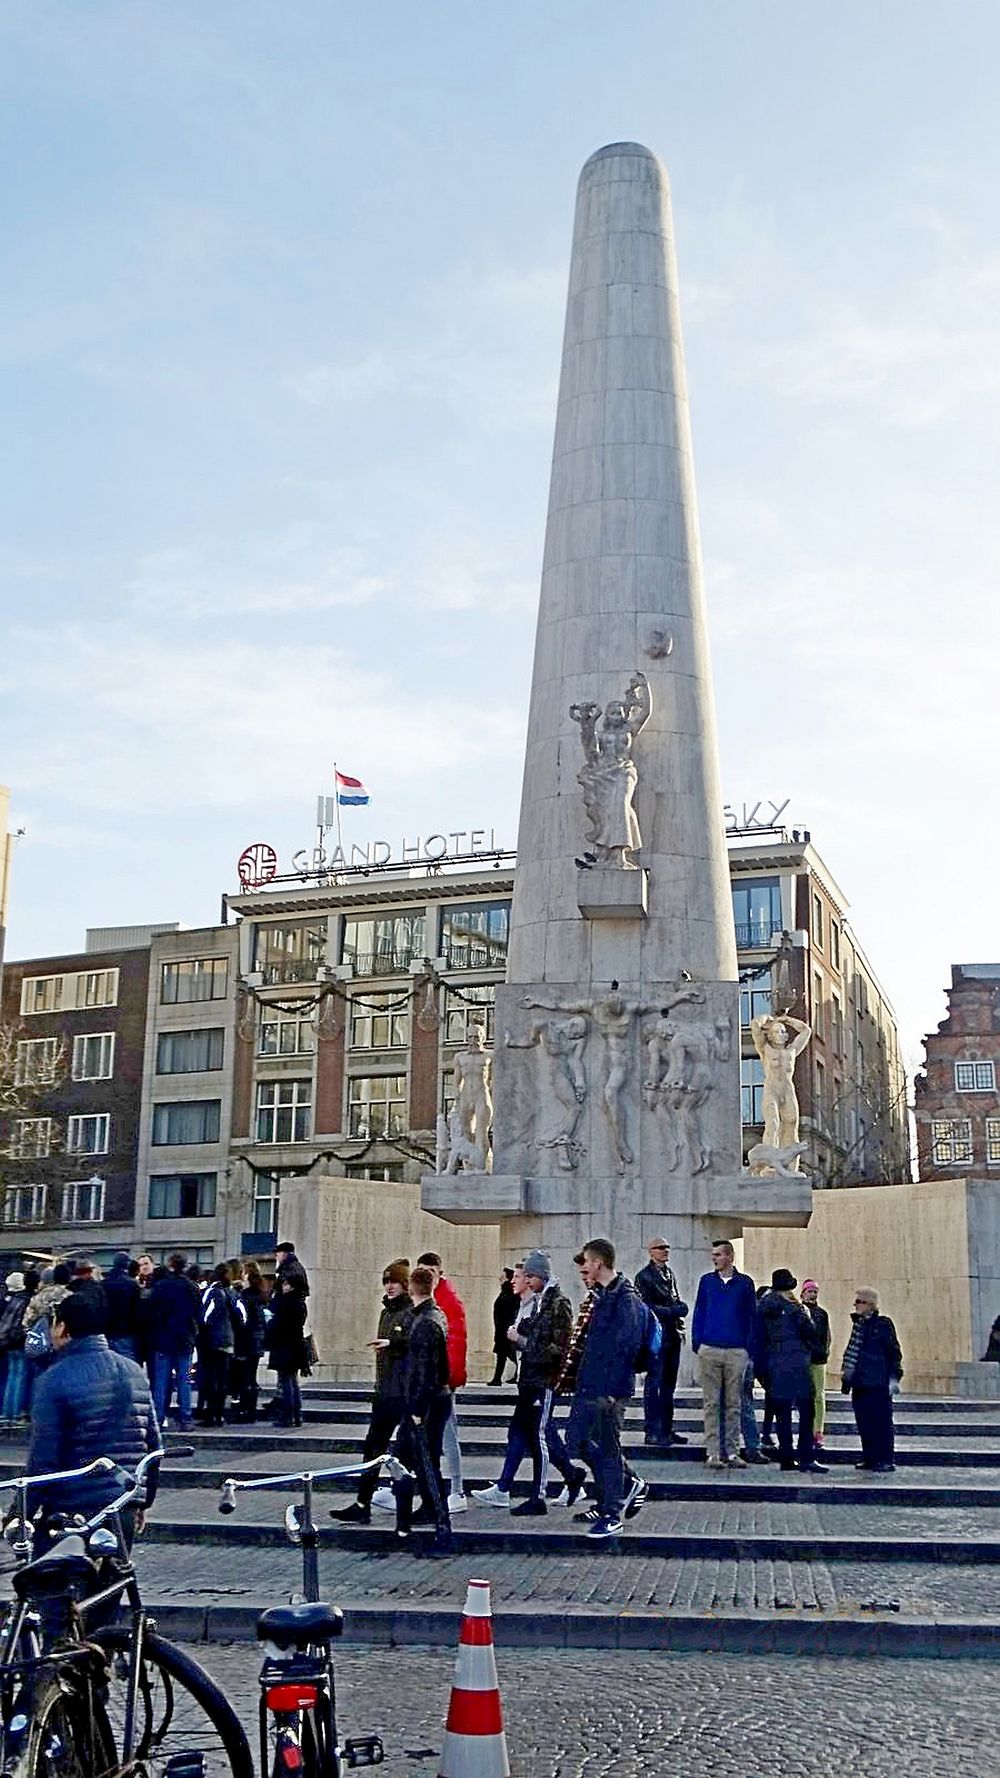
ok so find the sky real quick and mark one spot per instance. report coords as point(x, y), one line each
point(283, 290)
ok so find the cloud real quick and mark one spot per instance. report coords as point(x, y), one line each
point(214, 582)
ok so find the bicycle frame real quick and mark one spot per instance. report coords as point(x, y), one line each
point(123, 1583)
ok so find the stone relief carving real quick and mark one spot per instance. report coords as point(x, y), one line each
point(778, 1042)
point(608, 777)
point(659, 644)
point(560, 1043)
point(682, 1051)
point(472, 1114)
point(612, 1015)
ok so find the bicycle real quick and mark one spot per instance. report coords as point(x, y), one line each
point(298, 1710)
point(117, 1702)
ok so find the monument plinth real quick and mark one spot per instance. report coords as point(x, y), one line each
point(616, 1068)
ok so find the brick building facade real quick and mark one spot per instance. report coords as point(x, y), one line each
point(956, 1097)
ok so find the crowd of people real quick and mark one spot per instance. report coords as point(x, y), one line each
point(144, 1337)
point(200, 1335)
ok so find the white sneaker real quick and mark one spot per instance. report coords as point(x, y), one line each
point(493, 1496)
point(563, 1498)
point(384, 1500)
point(457, 1503)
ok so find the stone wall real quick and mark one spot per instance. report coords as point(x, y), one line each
point(346, 1230)
point(931, 1250)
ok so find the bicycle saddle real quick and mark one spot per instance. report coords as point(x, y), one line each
point(295, 1626)
point(63, 1569)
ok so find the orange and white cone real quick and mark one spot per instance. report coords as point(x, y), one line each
point(475, 1745)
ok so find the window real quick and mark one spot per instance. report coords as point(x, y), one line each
point(38, 1062)
point(266, 1199)
point(90, 1134)
point(474, 935)
point(194, 978)
point(951, 1141)
point(818, 1006)
point(837, 1021)
point(93, 1056)
point(377, 1105)
point(975, 1077)
point(24, 1203)
point(460, 1015)
point(834, 944)
point(185, 1121)
point(993, 1141)
point(190, 1052)
point(756, 911)
point(862, 994)
point(290, 953)
point(752, 1090)
point(386, 945)
point(66, 993)
point(392, 1171)
point(181, 1194)
point(820, 1108)
point(382, 1029)
point(755, 998)
point(31, 1138)
point(285, 1034)
point(817, 922)
point(83, 1200)
point(284, 1110)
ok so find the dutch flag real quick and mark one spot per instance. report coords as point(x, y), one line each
point(351, 790)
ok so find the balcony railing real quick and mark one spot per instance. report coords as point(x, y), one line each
point(291, 969)
point(759, 936)
point(383, 962)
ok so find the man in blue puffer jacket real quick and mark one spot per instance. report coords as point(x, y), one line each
point(616, 1334)
point(91, 1402)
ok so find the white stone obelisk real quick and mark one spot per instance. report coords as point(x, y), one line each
point(616, 1072)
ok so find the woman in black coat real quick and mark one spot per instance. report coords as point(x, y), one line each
point(785, 1342)
point(286, 1344)
point(505, 1308)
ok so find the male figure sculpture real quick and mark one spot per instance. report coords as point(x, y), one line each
point(473, 1109)
point(681, 1055)
point(608, 777)
point(778, 1042)
point(612, 1014)
point(560, 1045)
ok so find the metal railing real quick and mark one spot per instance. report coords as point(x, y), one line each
point(758, 936)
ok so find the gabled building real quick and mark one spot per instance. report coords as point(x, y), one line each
point(956, 1097)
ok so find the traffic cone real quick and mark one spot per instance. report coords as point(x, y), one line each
point(475, 1745)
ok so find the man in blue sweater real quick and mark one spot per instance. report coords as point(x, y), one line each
point(722, 1336)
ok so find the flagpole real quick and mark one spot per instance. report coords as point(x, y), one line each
point(336, 799)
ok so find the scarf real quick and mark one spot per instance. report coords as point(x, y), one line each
point(853, 1352)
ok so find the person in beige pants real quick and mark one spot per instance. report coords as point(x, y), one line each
point(722, 1334)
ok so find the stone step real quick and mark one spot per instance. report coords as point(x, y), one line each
point(478, 1395)
point(481, 1418)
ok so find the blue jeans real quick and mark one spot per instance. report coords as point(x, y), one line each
point(169, 1367)
point(289, 1398)
point(15, 1395)
point(594, 1432)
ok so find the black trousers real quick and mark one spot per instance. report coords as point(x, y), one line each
point(419, 1447)
point(872, 1405)
point(386, 1415)
point(783, 1422)
point(658, 1390)
point(248, 1387)
point(501, 1365)
point(213, 1373)
point(594, 1432)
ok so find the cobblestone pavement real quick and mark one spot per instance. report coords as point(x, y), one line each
point(577, 1715)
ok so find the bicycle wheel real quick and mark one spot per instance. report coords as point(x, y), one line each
point(67, 1735)
point(181, 1709)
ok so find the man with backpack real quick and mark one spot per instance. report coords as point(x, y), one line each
point(621, 1334)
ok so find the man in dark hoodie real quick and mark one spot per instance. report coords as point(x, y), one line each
point(124, 1307)
point(605, 1381)
point(427, 1405)
point(389, 1347)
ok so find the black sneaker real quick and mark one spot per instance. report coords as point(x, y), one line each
point(814, 1468)
point(355, 1514)
point(756, 1457)
point(677, 1438)
point(590, 1517)
point(529, 1509)
point(636, 1497)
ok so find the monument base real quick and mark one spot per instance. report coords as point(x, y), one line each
point(612, 894)
point(473, 1197)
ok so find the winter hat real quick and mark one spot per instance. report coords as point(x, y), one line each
point(48, 1275)
point(783, 1279)
point(15, 1281)
point(809, 1284)
point(537, 1265)
point(397, 1273)
point(120, 1263)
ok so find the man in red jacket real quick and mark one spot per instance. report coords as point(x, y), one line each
point(453, 1309)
